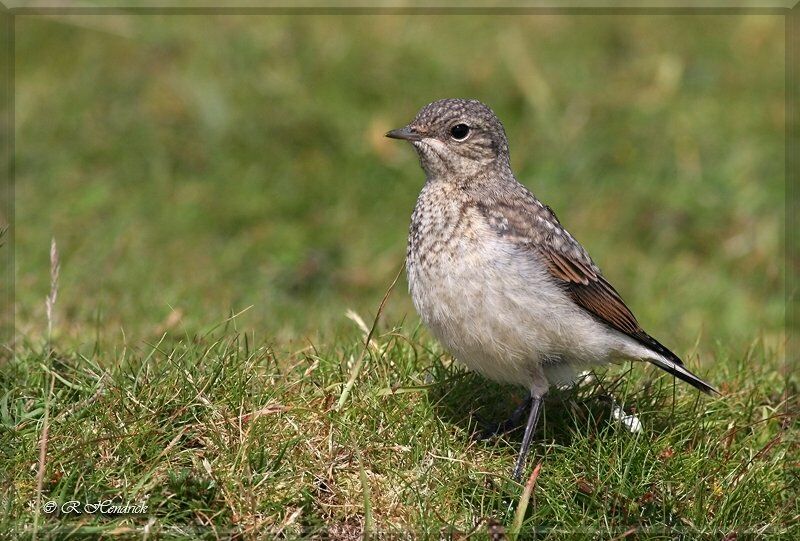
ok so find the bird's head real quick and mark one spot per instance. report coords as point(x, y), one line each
point(456, 138)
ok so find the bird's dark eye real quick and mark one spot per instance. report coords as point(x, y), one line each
point(459, 132)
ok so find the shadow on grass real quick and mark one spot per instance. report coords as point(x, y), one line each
point(475, 404)
point(571, 416)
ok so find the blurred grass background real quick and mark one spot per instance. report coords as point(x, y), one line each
point(193, 166)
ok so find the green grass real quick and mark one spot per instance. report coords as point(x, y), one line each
point(193, 168)
point(218, 435)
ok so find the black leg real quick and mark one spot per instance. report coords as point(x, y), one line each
point(533, 418)
point(491, 429)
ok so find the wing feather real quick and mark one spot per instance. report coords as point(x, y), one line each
point(533, 226)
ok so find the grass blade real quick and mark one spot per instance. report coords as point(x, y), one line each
point(369, 521)
point(522, 507)
point(356, 370)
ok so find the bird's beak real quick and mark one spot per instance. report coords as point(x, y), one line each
point(407, 133)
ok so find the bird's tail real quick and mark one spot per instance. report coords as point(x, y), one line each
point(669, 362)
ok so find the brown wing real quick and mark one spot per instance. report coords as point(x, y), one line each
point(529, 224)
point(523, 220)
point(534, 226)
point(590, 290)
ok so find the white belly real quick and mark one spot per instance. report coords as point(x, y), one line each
point(497, 311)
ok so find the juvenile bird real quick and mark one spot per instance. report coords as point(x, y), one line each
point(496, 277)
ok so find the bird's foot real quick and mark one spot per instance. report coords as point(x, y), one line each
point(490, 429)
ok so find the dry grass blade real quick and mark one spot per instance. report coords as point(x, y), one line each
point(269, 409)
point(625, 534)
point(369, 520)
point(522, 507)
point(360, 362)
point(42, 456)
point(358, 320)
point(50, 303)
